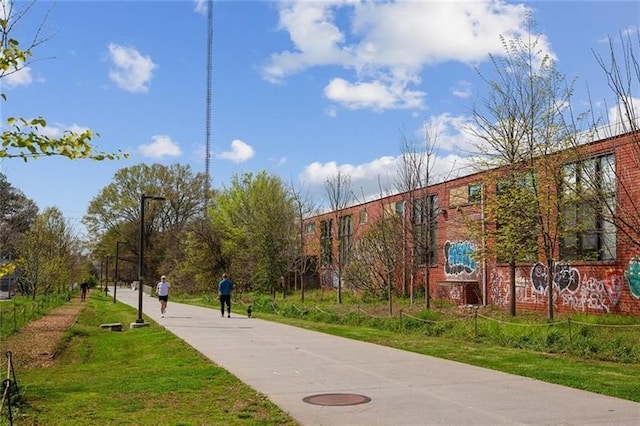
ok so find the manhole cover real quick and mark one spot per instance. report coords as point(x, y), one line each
point(336, 399)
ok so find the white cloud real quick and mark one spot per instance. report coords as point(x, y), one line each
point(452, 145)
point(378, 177)
point(130, 70)
point(200, 6)
point(22, 77)
point(239, 153)
point(161, 146)
point(619, 120)
point(462, 90)
point(375, 95)
point(386, 45)
point(630, 31)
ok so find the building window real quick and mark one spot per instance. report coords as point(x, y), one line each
point(345, 235)
point(465, 195)
point(363, 216)
point(326, 242)
point(425, 230)
point(310, 227)
point(588, 204)
point(400, 208)
point(475, 193)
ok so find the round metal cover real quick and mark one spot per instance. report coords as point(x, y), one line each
point(336, 399)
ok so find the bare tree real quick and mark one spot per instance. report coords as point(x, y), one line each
point(411, 171)
point(622, 71)
point(376, 256)
point(305, 206)
point(429, 212)
point(339, 194)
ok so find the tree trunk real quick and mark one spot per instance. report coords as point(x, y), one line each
point(512, 288)
point(550, 289)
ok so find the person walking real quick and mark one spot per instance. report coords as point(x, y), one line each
point(225, 286)
point(162, 288)
point(84, 288)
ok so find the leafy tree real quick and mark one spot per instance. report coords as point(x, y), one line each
point(114, 214)
point(49, 255)
point(202, 260)
point(257, 217)
point(17, 214)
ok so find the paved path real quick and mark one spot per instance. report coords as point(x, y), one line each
point(288, 364)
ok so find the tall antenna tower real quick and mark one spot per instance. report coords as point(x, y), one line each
point(208, 105)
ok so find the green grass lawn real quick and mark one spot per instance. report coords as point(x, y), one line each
point(143, 376)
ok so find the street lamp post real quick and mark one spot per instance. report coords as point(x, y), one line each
point(106, 277)
point(143, 198)
point(115, 282)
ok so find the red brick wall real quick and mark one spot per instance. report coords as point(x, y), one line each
point(593, 287)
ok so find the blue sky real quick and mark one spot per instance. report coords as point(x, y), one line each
point(300, 89)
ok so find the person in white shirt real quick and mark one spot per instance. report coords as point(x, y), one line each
point(162, 288)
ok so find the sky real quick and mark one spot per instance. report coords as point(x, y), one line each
point(300, 89)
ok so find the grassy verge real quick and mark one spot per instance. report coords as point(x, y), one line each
point(142, 376)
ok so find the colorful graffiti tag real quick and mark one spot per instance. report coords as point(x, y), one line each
point(539, 278)
point(458, 257)
point(614, 284)
point(579, 293)
point(632, 274)
point(565, 277)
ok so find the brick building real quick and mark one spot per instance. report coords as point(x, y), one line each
point(596, 250)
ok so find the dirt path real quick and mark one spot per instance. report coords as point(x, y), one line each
point(35, 344)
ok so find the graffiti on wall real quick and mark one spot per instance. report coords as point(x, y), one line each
point(565, 277)
point(500, 294)
point(458, 257)
point(576, 291)
point(632, 274)
point(539, 278)
point(591, 295)
point(614, 284)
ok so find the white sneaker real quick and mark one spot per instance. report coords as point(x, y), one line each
point(162, 316)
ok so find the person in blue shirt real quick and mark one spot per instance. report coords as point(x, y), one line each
point(225, 286)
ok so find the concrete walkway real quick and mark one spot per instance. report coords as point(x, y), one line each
point(289, 364)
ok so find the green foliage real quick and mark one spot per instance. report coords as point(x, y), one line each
point(114, 215)
point(48, 255)
point(257, 218)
